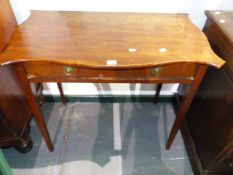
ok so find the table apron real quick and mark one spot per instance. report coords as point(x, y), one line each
point(96, 80)
point(52, 72)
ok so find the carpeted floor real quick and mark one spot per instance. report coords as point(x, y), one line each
point(102, 139)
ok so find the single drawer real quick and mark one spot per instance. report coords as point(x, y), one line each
point(46, 71)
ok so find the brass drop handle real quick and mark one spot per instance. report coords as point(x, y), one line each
point(156, 71)
point(68, 70)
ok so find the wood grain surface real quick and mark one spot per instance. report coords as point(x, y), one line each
point(7, 23)
point(51, 72)
point(90, 39)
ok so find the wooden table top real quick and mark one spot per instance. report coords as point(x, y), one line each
point(224, 20)
point(107, 40)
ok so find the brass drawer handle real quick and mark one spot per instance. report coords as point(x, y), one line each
point(156, 71)
point(68, 70)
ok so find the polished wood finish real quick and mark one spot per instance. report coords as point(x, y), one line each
point(209, 118)
point(59, 85)
point(88, 39)
point(14, 110)
point(222, 33)
point(15, 114)
point(222, 20)
point(47, 72)
point(109, 47)
point(34, 105)
point(7, 23)
point(185, 104)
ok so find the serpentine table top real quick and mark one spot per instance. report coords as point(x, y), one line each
point(104, 40)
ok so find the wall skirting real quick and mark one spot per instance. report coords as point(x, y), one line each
point(109, 98)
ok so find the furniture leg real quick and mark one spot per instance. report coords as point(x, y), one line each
point(158, 89)
point(34, 106)
point(61, 93)
point(180, 117)
point(39, 89)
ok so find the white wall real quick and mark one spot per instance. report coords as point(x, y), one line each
point(195, 9)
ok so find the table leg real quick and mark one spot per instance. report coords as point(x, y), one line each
point(34, 105)
point(180, 117)
point(158, 89)
point(61, 93)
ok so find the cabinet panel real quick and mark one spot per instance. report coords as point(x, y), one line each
point(12, 100)
point(14, 109)
point(5, 130)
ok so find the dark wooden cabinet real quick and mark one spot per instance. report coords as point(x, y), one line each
point(14, 112)
point(209, 131)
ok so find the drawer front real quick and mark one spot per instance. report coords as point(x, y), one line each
point(50, 70)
